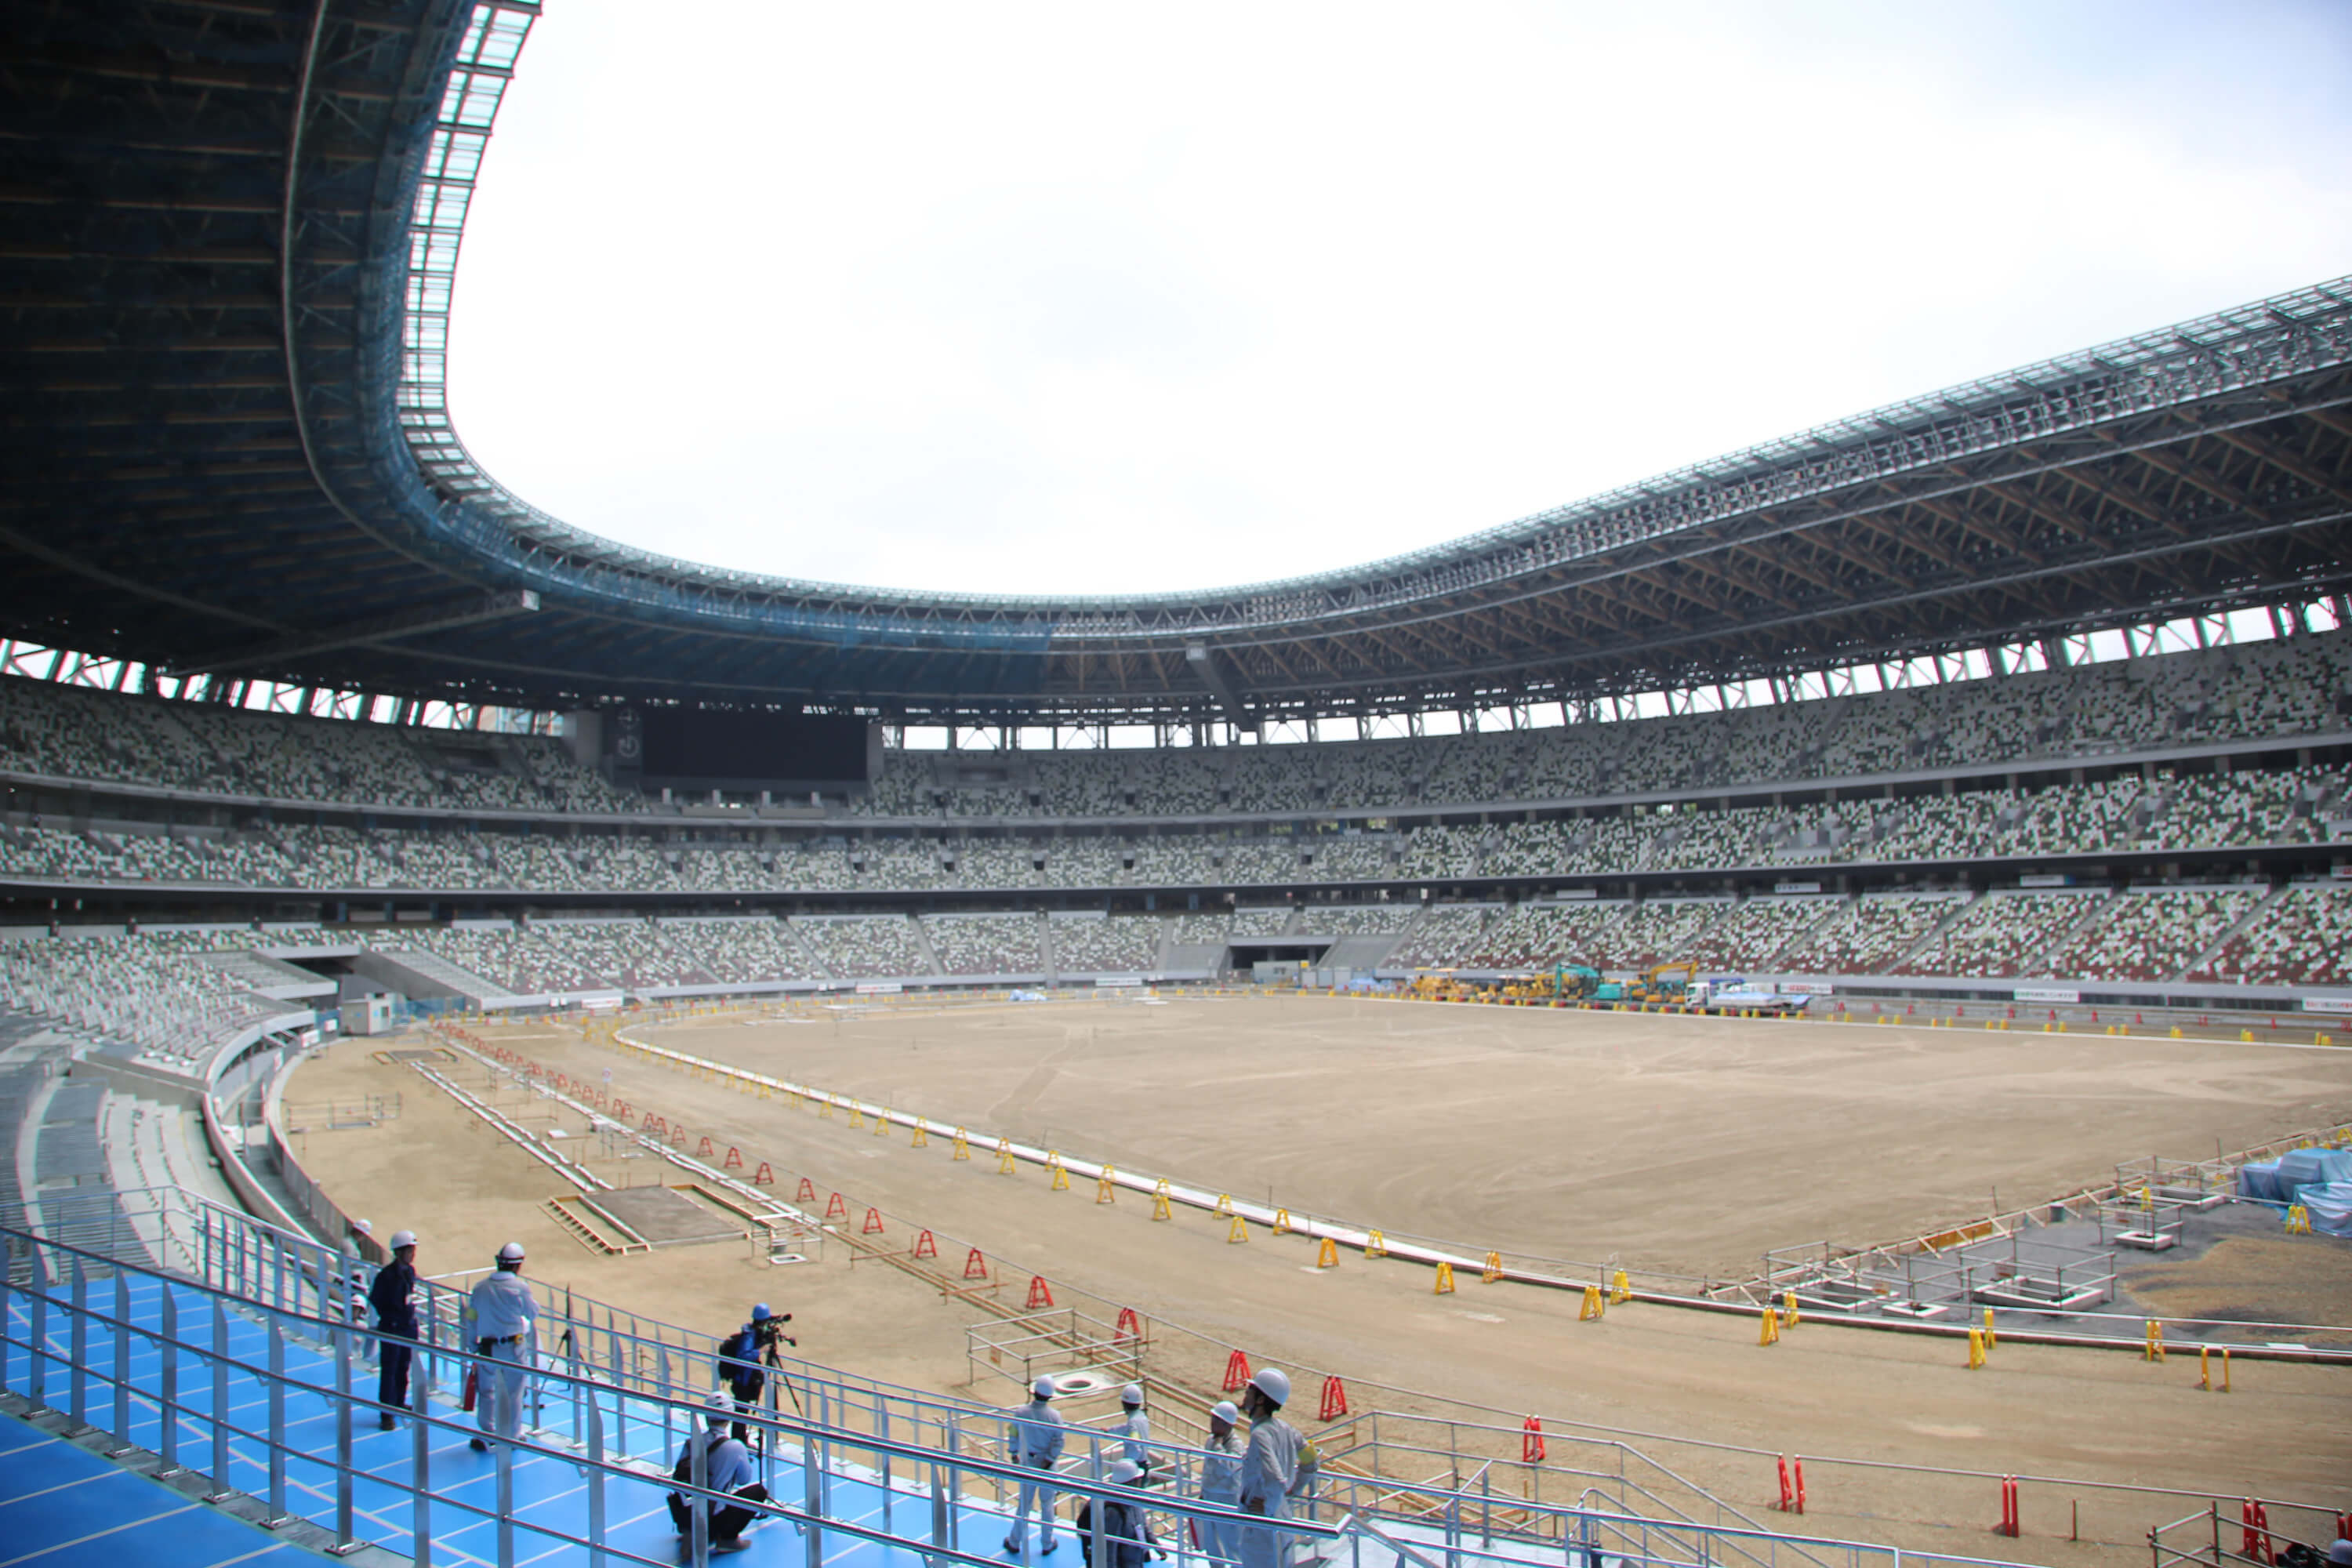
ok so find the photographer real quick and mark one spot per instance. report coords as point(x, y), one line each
point(744, 1357)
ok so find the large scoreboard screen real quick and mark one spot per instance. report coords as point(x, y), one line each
point(713, 744)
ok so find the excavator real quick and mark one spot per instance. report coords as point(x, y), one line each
point(1574, 982)
point(1659, 983)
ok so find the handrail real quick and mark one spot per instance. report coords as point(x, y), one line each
point(649, 1356)
point(600, 1453)
point(839, 1415)
point(589, 1397)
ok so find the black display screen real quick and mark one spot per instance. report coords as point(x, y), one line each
point(753, 748)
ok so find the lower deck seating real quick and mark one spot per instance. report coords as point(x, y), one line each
point(1756, 933)
point(1443, 934)
point(1871, 937)
point(1659, 932)
point(131, 989)
point(863, 947)
point(984, 944)
point(2303, 937)
point(2004, 935)
point(2153, 935)
point(1539, 936)
point(31, 1055)
point(1117, 944)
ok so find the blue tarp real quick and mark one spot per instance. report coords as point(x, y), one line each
point(2259, 1179)
point(2330, 1207)
point(2301, 1168)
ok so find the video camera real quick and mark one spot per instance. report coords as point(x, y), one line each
point(770, 1330)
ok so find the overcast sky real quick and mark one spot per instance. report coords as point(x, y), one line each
point(1096, 298)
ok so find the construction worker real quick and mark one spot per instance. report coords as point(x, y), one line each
point(1127, 1536)
point(1036, 1442)
point(727, 1468)
point(1221, 1481)
point(1134, 1430)
point(392, 1295)
point(1271, 1467)
point(502, 1317)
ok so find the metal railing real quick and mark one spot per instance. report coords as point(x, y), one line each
point(63, 1336)
point(931, 1468)
point(2208, 1539)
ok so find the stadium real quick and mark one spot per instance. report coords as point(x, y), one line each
point(1796, 1013)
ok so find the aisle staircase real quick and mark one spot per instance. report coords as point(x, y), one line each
point(1935, 935)
point(2212, 950)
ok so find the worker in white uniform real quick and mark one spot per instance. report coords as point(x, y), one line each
point(1271, 1467)
point(1221, 1481)
point(727, 1468)
point(1035, 1441)
point(1134, 1431)
point(502, 1317)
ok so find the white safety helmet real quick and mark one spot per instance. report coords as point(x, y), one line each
point(1044, 1388)
point(1125, 1472)
point(511, 1252)
point(1131, 1395)
point(401, 1238)
point(364, 1228)
point(1274, 1382)
point(1226, 1411)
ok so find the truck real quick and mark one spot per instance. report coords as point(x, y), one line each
point(1730, 993)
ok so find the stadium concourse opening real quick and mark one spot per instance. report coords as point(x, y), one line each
point(1812, 1003)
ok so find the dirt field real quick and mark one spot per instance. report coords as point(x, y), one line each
point(1683, 1145)
point(1677, 1144)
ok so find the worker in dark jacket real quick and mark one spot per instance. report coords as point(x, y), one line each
point(392, 1297)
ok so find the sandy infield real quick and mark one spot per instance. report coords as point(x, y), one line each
point(1682, 1143)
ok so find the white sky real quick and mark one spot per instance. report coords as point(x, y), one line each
point(1099, 299)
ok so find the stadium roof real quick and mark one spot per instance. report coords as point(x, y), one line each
point(230, 234)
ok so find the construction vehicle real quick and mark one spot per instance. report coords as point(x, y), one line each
point(1440, 985)
point(1574, 982)
point(1668, 982)
point(1729, 994)
point(1659, 983)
